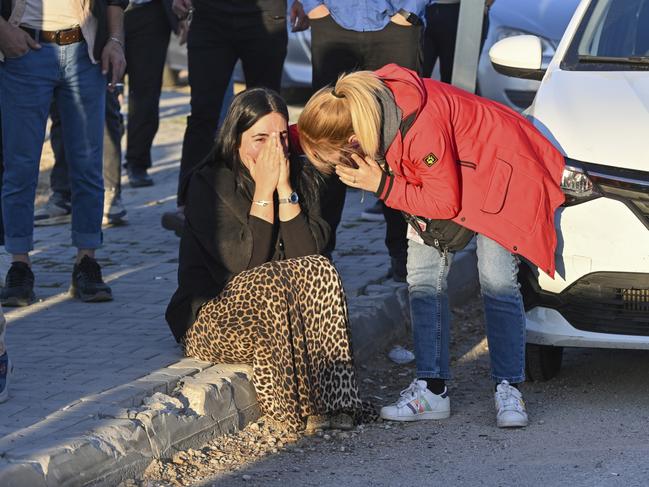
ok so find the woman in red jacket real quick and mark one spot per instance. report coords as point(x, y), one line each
point(455, 164)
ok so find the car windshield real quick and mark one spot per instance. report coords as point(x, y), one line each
point(613, 35)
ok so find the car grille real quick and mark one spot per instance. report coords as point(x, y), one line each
point(625, 185)
point(601, 302)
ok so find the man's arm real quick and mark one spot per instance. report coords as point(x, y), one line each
point(112, 57)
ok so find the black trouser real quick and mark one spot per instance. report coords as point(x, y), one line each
point(440, 36)
point(113, 131)
point(216, 41)
point(147, 32)
point(335, 50)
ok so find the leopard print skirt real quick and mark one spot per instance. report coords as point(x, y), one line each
point(288, 320)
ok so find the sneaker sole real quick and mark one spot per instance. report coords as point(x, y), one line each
point(99, 297)
point(14, 302)
point(419, 417)
point(54, 220)
point(168, 224)
point(512, 424)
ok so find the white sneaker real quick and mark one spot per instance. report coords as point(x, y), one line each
point(418, 403)
point(510, 407)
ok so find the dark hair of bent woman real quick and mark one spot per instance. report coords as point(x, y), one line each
point(246, 109)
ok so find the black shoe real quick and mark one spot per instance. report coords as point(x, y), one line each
point(398, 270)
point(19, 286)
point(87, 284)
point(174, 221)
point(138, 177)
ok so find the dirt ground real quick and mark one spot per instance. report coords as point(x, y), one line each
point(588, 427)
point(381, 380)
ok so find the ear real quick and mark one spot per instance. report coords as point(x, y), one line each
point(352, 140)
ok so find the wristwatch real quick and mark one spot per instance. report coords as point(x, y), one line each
point(292, 199)
point(412, 18)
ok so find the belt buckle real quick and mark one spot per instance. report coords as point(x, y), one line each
point(60, 40)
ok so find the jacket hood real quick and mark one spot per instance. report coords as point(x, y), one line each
point(406, 86)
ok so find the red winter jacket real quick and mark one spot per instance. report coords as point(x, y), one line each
point(476, 162)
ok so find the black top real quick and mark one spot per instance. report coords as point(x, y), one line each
point(221, 239)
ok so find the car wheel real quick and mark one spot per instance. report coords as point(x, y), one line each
point(542, 362)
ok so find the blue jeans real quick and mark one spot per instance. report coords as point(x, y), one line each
point(27, 86)
point(503, 304)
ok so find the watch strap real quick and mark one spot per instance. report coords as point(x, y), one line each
point(409, 16)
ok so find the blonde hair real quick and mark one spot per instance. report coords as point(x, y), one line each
point(333, 115)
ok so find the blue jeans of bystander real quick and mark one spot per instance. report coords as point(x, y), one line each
point(27, 86)
point(503, 304)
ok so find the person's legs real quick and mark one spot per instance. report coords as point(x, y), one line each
point(505, 317)
point(430, 318)
point(147, 33)
point(334, 51)
point(81, 98)
point(114, 211)
point(444, 35)
point(261, 46)
point(429, 309)
point(57, 209)
point(211, 59)
point(59, 181)
point(504, 311)
point(26, 87)
point(401, 45)
point(429, 44)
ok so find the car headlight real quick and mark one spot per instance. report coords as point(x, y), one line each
point(577, 186)
point(548, 47)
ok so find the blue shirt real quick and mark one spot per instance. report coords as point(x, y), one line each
point(366, 15)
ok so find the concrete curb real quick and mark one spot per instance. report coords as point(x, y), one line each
point(109, 437)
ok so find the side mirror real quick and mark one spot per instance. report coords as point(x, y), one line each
point(518, 56)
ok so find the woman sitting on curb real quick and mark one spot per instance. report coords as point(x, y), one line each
point(464, 164)
point(251, 287)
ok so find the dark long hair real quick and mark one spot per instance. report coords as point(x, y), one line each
point(246, 109)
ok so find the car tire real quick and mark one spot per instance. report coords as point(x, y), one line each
point(542, 362)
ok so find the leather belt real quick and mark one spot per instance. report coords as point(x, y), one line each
point(60, 37)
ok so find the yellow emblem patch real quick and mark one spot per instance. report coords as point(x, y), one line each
point(430, 159)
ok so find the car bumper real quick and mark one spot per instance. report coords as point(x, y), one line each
point(599, 296)
point(547, 326)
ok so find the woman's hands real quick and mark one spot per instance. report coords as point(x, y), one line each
point(368, 175)
point(270, 167)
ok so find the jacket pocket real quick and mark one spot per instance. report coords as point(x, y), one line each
point(515, 192)
point(498, 187)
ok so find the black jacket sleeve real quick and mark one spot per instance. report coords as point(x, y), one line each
point(262, 239)
point(307, 233)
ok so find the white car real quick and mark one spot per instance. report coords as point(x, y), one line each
point(546, 19)
point(593, 104)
